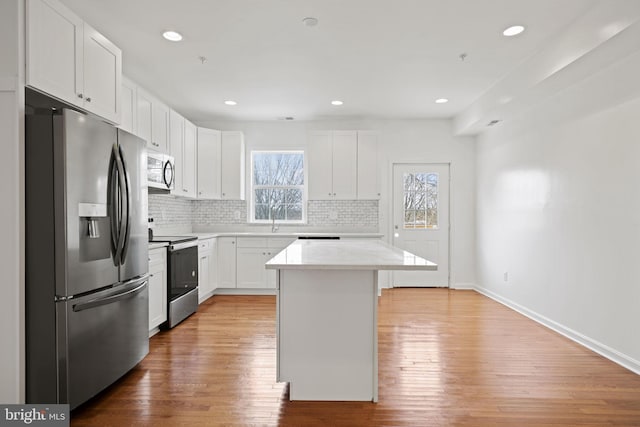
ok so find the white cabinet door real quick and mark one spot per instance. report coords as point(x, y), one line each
point(207, 251)
point(157, 287)
point(203, 276)
point(176, 144)
point(102, 75)
point(159, 126)
point(251, 271)
point(54, 50)
point(129, 107)
point(275, 244)
point(368, 180)
point(232, 167)
point(345, 153)
point(144, 117)
point(226, 262)
point(208, 163)
point(189, 160)
point(320, 164)
point(69, 60)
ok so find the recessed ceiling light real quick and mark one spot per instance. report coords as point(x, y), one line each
point(172, 36)
point(337, 102)
point(229, 102)
point(513, 31)
point(310, 21)
point(442, 101)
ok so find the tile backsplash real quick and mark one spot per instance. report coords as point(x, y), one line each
point(169, 211)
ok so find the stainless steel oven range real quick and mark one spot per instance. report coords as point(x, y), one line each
point(182, 277)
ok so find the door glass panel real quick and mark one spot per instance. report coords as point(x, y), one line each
point(421, 200)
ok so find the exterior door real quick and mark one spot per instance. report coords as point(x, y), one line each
point(421, 220)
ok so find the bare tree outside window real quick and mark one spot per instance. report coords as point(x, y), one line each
point(278, 186)
point(421, 200)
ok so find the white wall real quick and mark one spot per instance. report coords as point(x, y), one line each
point(401, 141)
point(12, 212)
point(559, 210)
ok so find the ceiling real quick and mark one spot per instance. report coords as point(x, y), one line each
point(384, 59)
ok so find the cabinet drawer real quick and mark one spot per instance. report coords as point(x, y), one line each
point(157, 255)
point(252, 242)
point(205, 245)
point(279, 243)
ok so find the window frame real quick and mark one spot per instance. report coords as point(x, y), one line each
point(253, 187)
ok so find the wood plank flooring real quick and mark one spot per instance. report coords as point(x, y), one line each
point(446, 358)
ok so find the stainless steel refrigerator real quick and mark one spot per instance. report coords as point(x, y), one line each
point(86, 254)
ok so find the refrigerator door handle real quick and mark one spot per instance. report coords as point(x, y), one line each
point(127, 212)
point(110, 299)
point(114, 205)
point(122, 208)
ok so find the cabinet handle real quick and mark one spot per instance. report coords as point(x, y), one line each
point(329, 193)
point(184, 190)
point(80, 96)
point(88, 99)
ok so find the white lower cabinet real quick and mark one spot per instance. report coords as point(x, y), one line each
point(157, 287)
point(226, 262)
point(207, 267)
point(252, 254)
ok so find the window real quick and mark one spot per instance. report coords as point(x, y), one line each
point(421, 200)
point(277, 180)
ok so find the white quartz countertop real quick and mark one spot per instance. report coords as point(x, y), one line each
point(207, 235)
point(347, 255)
point(156, 245)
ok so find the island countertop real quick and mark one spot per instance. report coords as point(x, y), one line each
point(346, 255)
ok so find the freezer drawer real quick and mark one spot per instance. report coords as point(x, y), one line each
point(107, 335)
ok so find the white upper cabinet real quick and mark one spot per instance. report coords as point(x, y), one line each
point(129, 106)
point(182, 142)
point(189, 159)
point(69, 60)
point(152, 121)
point(232, 165)
point(102, 75)
point(345, 152)
point(159, 126)
point(176, 143)
point(332, 162)
point(368, 170)
point(144, 116)
point(208, 159)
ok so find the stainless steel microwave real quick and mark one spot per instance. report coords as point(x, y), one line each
point(160, 172)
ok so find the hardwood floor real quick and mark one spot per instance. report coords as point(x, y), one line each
point(446, 358)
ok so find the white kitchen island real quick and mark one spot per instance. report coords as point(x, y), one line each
point(327, 325)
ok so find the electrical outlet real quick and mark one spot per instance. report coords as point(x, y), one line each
point(236, 214)
point(333, 215)
point(505, 276)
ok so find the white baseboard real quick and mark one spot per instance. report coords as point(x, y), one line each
point(593, 345)
point(463, 286)
point(238, 291)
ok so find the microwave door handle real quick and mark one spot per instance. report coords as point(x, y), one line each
point(169, 166)
point(114, 205)
point(126, 195)
point(122, 209)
